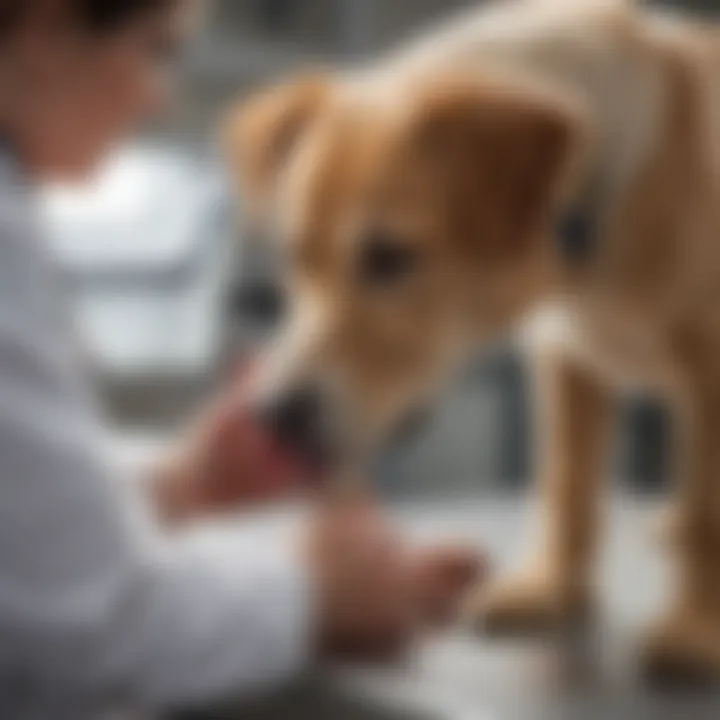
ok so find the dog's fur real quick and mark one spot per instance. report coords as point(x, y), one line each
point(469, 145)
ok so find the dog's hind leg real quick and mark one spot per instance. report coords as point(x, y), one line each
point(573, 418)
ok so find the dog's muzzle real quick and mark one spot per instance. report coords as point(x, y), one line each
point(296, 421)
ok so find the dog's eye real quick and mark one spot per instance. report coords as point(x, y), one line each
point(386, 260)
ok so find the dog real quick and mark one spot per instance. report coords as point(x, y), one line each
point(539, 165)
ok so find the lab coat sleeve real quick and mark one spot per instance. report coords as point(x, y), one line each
point(94, 599)
point(91, 596)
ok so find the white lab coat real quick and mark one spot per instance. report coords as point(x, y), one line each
point(96, 605)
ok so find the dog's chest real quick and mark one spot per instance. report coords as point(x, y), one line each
point(622, 349)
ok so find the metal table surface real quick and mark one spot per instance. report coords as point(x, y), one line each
point(463, 677)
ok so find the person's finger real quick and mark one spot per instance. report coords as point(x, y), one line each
point(442, 576)
point(459, 565)
point(244, 371)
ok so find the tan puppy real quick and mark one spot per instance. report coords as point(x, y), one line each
point(418, 201)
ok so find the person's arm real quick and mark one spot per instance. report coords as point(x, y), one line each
point(90, 595)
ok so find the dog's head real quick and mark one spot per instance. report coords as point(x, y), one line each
point(413, 222)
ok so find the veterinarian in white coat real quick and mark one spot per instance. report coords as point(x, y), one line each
point(97, 605)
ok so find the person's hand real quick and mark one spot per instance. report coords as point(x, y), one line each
point(442, 575)
point(222, 464)
point(375, 593)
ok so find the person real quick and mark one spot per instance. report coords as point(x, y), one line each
point(99, 605)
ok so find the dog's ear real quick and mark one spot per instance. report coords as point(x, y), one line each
point(501, 157)
point(259, 135)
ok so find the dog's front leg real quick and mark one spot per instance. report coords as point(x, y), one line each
point(685, 644)
point(573, 415)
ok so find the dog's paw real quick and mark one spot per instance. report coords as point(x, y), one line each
point(527, 606)
point(683, 651)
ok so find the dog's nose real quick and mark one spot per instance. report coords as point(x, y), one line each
point(260, 302)
point(295, 419)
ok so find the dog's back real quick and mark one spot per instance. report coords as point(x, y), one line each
point(647, 82)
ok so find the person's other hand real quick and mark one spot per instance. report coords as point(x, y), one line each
point(375, 593)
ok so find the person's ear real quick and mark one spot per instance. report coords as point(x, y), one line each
point(260, 135)
point(501, 157)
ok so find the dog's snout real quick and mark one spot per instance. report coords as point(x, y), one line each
point(295, 418)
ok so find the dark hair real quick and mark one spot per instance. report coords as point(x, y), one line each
point(109, 15)
point(98, 16)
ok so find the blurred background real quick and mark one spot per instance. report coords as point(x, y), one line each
point(168, 302)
